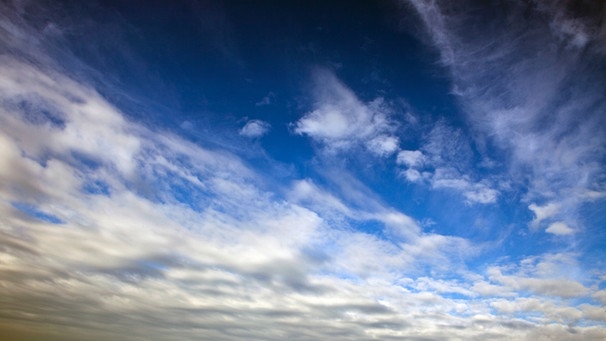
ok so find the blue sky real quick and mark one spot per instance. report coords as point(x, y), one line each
point(203, 170)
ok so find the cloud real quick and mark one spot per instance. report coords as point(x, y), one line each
point(340, 121)
point(543, 212)
point(529, 85)
point(546, 275)
point(266, 100)
point(474, 192)
point(412, 175)
point(161, 238)
point(410, 158)
point(255, 128)
point(560, 229)
point(444, 161)
point(600, 296)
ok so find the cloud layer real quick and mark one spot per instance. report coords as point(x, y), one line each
point(115, 229)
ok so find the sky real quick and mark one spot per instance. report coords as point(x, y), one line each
point(303, 170)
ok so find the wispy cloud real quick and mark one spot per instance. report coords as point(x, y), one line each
point(531, 86)
point(266, 100)
point(445, 161)
point(255, 128)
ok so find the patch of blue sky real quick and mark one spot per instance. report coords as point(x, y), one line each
point(96, 187)
point(36, 110)
point(85, 161)
point(34, 212)
point(152, 265)
point(165, 186)
point(371, 227)
point(189, 195)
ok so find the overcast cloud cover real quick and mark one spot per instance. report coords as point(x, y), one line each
point(412, 170)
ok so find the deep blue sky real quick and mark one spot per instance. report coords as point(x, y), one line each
point(303, 170)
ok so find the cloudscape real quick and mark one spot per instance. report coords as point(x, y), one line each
point(303, 170)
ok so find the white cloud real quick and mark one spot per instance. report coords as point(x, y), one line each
point(340, 121)
point(543, 212)
point(412, 175)
point(594, 312)
point(255, 128)
point(548, 275)
point(552, 311)
point(560, 229)
point(487, 289)
point(305, 191)
point(444, 161)
point(410, 158)
point(600, 296)
point(383, 145)
point(474, 192)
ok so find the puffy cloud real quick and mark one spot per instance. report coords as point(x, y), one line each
point(560, 229)
point(600, 296)
point(255, 128)
point(473, 192)
point(410, 158)
point(549, 309)
point(383, 145)
point(546, 275)
point(412, 175)
point(486, 289)
point(543, 212)
point(340, 121)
